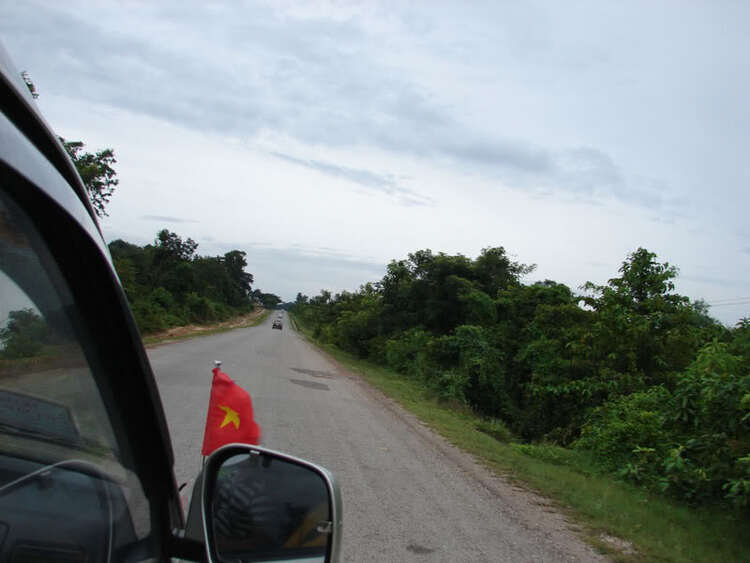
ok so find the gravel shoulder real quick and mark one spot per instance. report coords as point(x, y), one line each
point(534, 516)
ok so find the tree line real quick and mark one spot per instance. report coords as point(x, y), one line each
point(168, 284)
point(632, 371)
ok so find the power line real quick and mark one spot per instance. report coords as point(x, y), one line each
point(717, 301)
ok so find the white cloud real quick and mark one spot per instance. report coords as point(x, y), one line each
point(570, 134)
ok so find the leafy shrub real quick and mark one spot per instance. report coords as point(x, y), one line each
point(690, 443)
point(403, 352)
point(149, 316)
point(451, 385)
point(738, 488)
point(328, 333)
point(641, 467)
point(201, 309)
point(614, 430)
point(709, 414)
point(163, 298)
point(376, 349)
point(696, 471)
point(355, 329)
point(709, 395)
point(479, 362)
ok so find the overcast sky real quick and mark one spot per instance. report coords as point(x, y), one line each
point(327, 138)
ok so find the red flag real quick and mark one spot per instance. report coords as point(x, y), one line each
point(230, 415)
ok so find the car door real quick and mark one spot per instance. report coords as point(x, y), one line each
point(85, 458)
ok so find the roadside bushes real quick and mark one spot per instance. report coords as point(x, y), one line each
point(623, 425)
point(692, 443)
point(711, 416)
point(149, 316)
point(406, 352)
point(353, 330)
point(204, 310)
point(479, 363)
point(461, 366)
point(629, 372)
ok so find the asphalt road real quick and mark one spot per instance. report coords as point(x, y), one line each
point(407, 494)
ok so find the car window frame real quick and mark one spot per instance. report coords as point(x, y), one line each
point(125, 379)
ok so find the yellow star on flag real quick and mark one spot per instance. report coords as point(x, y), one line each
point(230, 416)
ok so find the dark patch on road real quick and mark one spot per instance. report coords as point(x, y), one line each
point(416, 548)
point(314, 373)
point(311, 384)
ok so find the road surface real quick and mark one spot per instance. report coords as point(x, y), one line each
point(407, 494)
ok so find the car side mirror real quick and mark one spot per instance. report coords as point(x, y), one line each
point(261, 505)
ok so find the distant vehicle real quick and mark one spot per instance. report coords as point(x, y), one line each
point(277, 324)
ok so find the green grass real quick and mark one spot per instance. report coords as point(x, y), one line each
point(659, 529)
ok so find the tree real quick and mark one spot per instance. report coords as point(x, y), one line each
point(270, 300)
point(25, 334)
point(643, 327)
point(170, 246)
point(644, 281)
point(235, 264)
point(96, 172)
point(168, 284)
point(495, 271)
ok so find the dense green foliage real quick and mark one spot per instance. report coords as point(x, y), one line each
point(268, 300)
point(168, 285)
point(630, 370)
point(96, 172)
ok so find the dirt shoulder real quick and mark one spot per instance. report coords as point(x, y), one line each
point(190, 331)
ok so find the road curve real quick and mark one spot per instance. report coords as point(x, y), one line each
point(408, 495)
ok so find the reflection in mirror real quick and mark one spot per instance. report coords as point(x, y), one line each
point(265, 508)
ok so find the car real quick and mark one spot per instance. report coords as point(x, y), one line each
point(86, 462)
point(277, 324)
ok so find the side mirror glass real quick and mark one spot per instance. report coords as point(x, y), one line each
point(260, 505)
